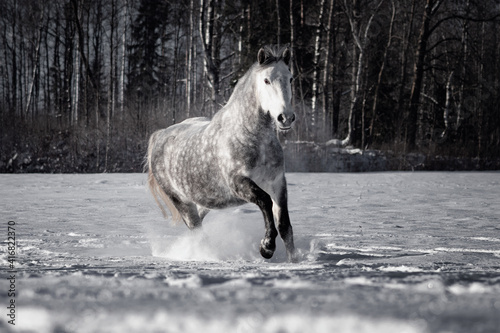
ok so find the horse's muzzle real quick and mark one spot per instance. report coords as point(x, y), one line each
point(285, 121)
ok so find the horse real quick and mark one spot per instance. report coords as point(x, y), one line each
point(234, 158)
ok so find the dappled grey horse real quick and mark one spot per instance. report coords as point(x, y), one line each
point(202, 164)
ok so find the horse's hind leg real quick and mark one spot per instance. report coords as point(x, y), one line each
point(247, 190)
point(189, 213)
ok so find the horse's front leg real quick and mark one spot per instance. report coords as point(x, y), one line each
point(285, 229)
point(280, 210)
point(246, 189)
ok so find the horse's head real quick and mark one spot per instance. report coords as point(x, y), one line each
point(273, 85)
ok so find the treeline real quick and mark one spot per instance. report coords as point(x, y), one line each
point(84, 82)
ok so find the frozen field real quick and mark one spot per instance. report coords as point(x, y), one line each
point(380, 252)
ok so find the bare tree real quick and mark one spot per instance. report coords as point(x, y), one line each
point(316, 70)
point(210, 33)
point(408, 19)
point(189, 59)
point(430, 9)
point(112, 75)
point(125, 20)
point(381, 71)
point(326, 66)
point(36, 61)
point(359, 32)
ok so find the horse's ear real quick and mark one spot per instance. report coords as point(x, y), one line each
point(287, 54)
point(261, 56)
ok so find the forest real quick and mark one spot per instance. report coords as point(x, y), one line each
point(83, 83)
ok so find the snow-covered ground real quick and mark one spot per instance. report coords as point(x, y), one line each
point(380, 252)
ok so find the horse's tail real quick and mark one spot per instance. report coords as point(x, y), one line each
point(161, 198)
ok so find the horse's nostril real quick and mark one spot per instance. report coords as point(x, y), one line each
point(281, 118)
point(292, 118)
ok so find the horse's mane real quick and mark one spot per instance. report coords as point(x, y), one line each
point(273, 53)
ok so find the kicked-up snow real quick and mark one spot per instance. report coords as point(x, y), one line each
point(379, 252)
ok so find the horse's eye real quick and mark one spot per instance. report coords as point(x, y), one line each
point(266, 81)
point(291, 79)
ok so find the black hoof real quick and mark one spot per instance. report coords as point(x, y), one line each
point(267, 254)
point(266, 251)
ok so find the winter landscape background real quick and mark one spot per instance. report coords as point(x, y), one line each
point(84, 83)
point(379, 252)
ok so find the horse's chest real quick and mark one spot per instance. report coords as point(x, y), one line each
point(271, 153)
point(258, 153)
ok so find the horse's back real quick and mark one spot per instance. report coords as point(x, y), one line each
point(187, 127)
point(184, 129)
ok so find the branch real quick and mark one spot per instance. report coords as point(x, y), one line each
point(455, 39)
point(351, 23)
point(227, 57)
point(433, 100)
point(436, 7)
point(228, 76)
point(462, 17)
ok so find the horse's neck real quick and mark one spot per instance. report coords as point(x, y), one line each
point(243, 111)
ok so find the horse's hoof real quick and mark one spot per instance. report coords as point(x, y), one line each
point(267, 254)
point(266, 251)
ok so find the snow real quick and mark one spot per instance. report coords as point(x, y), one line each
point(379, 252)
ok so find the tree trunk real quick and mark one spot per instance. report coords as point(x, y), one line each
point(122, 65)
point(418, 73)
point(210, 34)
point(401, 104)
point(480, 92)
point(446, 111)
point(189, 65)
point(316, 71)
point(381, 72)
point(463, 71)
point(47, 88)
point(35, 64)
point(292, 42)
point(14, 71)
point(173, 94)
point(359, 43)
point(76, 98)
point(85, 54)
point(111, 84)
point(326, 69)
point(278, 22)
point(68, 70)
